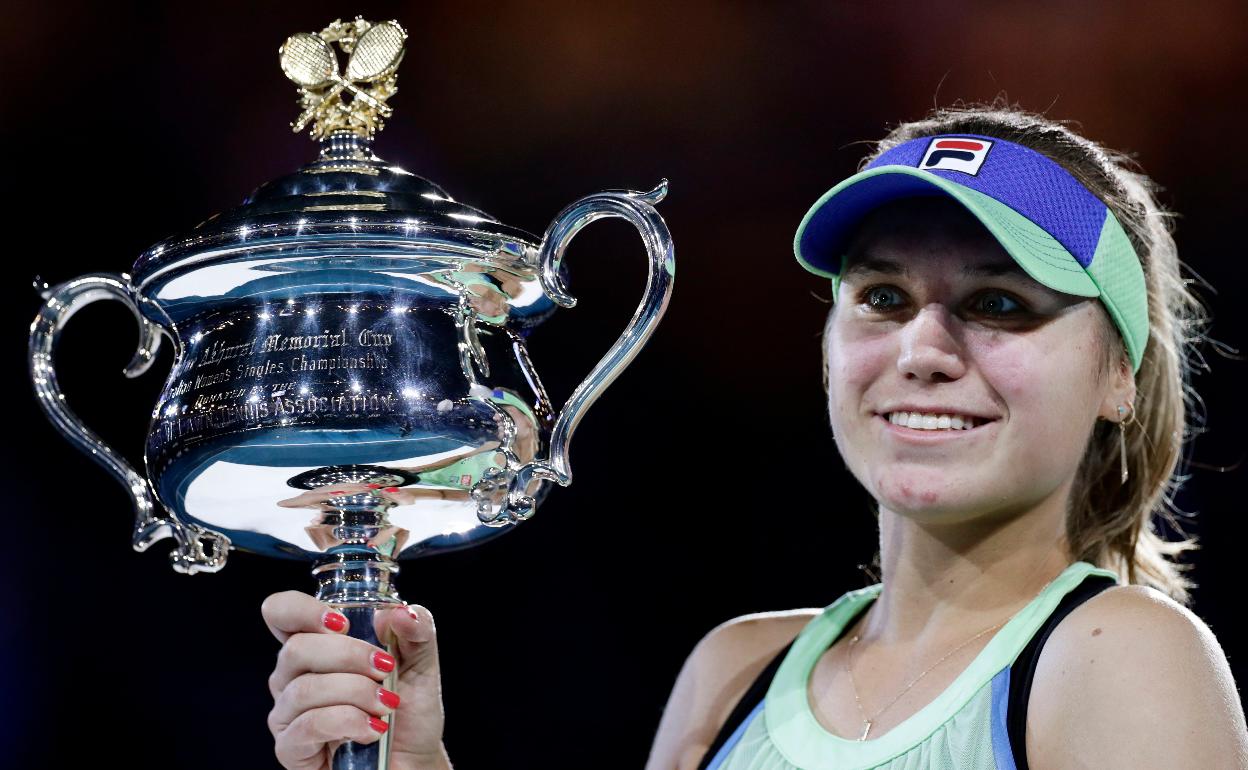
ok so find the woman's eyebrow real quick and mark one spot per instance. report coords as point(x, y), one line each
point(874, 265)
point(888, 267)
point(994, 269)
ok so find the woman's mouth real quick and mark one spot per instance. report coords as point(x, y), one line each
point(934, 420)
point(934, 424)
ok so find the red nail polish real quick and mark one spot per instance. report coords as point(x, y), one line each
point(333, 621)
point(374, 486)
point(336, 492)
point(388, 699)
point(391, 490)
point(383, 661)
point(377, 724)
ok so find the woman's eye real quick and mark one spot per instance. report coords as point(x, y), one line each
point(882, 298)
point(996, 303)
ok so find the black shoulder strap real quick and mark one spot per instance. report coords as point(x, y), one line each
point(748, 702)
point(1024, 668)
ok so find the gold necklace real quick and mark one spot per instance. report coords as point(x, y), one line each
point(849, 670)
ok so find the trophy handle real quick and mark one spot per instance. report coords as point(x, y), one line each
point(199, 550)
point(638, 209)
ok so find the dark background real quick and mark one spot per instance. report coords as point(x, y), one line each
point(707, 484)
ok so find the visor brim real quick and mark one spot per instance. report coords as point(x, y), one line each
point(825, 232)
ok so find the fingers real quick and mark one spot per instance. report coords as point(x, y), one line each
point(293, 612)
point(326, 685)
point(415, 637)
point(327, 653)
point(301, 744)
point(309, 692)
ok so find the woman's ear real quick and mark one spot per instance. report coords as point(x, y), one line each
point(1121, 390)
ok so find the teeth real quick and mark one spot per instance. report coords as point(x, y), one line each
point(928, 421)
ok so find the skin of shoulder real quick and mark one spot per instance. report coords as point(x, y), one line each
point(714, 677)
point(1132, 679)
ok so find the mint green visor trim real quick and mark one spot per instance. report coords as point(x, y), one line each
point(1114, 274)
point(1117, 272)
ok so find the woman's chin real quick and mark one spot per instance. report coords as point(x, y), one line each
point(932, 496)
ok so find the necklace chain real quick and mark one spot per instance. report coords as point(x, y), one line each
point(869, 722)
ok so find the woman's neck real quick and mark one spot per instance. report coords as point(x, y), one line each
point(946, 580)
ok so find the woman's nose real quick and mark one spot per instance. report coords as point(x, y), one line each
point(930, 350)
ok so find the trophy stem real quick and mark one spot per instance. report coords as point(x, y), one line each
point(346, 146)
point(356, 576)
point(357, 580)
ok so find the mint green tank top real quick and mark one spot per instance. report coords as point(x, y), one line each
point(962, 729)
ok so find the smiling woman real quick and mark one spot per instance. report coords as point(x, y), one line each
point(938, 320)
point(1006, 376)
point(1138, 279)
point(1006, 370)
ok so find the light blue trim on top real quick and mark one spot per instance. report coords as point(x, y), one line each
point(733, 739)
point(1002, 751)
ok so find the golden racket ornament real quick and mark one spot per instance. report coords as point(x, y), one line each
point(377, 53)
point(309, 61)
point(374, 53)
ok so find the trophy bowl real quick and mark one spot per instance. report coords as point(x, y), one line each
point(351, 384)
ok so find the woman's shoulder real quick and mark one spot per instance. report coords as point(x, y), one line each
point(714, 677)
point(1128, 626)
point(731, 655)
point(758, 629)
point(736, 651)
point(1131, 678)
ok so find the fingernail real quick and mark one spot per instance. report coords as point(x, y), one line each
point(391, 490)
point(374, 486)
point(377, 724)
point(413, 614)
point(336, 492)
point(383, 661)
point(388, 699)
point(334, 621)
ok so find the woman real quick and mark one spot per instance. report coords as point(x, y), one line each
point(1006, 373)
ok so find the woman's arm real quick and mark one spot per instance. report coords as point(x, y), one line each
point(1134, 680)
point(715, 676)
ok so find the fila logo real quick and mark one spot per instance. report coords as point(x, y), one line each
point(950, 154)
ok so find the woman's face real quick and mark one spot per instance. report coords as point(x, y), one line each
point(935, 325)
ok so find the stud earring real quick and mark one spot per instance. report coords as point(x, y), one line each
point(1126, 415)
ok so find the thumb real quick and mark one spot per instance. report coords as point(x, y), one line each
point(414, 636)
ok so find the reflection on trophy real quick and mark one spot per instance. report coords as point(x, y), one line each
point(351, 382)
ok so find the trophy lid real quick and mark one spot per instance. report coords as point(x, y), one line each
point(347, 192)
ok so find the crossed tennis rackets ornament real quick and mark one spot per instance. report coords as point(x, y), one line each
point(373, 54)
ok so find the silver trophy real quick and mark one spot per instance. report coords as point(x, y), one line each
point(351, 383)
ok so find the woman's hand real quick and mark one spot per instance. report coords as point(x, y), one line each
point(326, 685)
